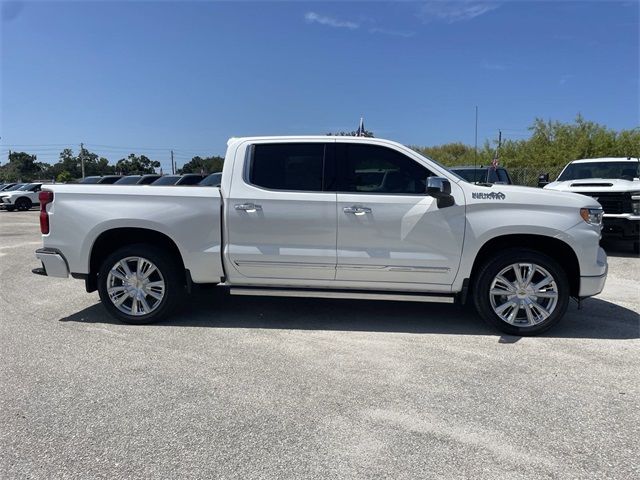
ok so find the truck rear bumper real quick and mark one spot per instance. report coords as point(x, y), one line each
point(53, 263)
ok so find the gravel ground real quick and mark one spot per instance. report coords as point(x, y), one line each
point(239, 387)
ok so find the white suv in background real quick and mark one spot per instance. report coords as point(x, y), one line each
point(22, 199)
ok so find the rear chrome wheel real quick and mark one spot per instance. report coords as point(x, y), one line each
point(136, 286)
point(523, 294)
point(140, 283)
point(521, 291)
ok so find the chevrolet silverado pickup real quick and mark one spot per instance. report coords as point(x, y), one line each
point(615, 184)
point(304, 217)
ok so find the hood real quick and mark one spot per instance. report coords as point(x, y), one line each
point(588, 185)
point(516, 194)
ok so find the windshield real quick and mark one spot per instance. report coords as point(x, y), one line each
point(17, 186)
point(212, 180)
point(189, 180)
point(623, 170)
point(90, 180)
point(130, 180)
point(167, 180)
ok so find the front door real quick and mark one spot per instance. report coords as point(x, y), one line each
point(389, 230)
point(280, 214)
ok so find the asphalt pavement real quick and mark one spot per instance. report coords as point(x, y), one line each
point(266, 388)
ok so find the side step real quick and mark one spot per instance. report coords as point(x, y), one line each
point(348, 294)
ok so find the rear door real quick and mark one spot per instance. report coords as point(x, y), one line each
point(389, 230)
point(281, 212)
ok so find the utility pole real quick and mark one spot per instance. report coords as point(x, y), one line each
point(475, 155)
point(173, 165)
point(82, 158)
point(499, 140)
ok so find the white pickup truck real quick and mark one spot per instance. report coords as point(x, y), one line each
point(615, 184)
point(336, 217)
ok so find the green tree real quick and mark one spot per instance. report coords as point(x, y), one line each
point(134, 165)
point(354, 133)
point(205, 165)
point(23, 167)
point(551, 145)
point(72, 164)
point(64, 177)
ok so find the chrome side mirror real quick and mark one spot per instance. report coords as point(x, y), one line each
point(440, 189)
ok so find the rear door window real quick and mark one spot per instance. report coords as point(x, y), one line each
point(288, 166)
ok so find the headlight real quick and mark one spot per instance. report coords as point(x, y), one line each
point(635, 203)
point(593, 216)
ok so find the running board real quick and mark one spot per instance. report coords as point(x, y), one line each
point(347, 294)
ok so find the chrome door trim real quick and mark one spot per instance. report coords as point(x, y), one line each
point(265, 264)
point(395, 268)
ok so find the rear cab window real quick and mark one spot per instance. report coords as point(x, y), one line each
point(290, 166)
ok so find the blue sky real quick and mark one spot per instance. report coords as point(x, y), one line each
point(151, 76)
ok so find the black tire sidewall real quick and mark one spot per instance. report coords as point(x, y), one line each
point(23, 204)
point(494, 265)
point(168, 268)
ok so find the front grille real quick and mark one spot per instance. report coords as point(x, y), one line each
point(612, 202)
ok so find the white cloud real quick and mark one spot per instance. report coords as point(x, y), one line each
point(393, 33)
point(313, 17)
point(564, 79)
point(452, 11)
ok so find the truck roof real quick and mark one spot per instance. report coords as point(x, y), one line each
point(309, 137)
point(607, 159)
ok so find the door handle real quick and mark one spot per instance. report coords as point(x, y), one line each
point(356, 210)
point(248, 207)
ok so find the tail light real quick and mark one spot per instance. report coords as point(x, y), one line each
point(45, 197)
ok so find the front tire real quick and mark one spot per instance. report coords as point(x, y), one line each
point(24, 204)
point(521, 292)
point(140, 284)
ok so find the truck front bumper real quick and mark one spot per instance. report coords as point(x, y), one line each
point(53, 263)
point(625, 226)
point(593, 285)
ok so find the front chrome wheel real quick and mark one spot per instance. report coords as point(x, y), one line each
point(135, 286)
point(523, 294)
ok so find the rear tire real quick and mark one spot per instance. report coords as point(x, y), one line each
point(636, 248)
point(521, 292)
point(140, 284)
point(24, 204)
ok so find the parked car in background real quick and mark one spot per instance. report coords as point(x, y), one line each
point(212, 180)
point(23, 198)
point(138, 179)
point(101, 180)
point(615, 184)
point(166, 180)
point(296, 217)
point(483, 174)
point(186, 179)
point(5, 186)
point(13, 187)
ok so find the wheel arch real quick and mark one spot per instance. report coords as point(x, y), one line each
point(111, 240)
point(555, 248)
